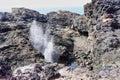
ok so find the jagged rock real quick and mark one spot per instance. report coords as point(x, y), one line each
point(28, 15)
point(91, 40)
point(6, 16)
point(36, 71)
point(104, 25)
point(67, 19)
point(16, 35)
point(5, 69)
point(32, 71)
point(23, 16)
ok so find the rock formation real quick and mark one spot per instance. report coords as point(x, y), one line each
point(104, 23)
point(88, 44)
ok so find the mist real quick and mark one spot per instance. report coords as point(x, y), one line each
point(43, 42)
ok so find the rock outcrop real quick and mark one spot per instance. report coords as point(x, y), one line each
point(15, 42)
point(104, 26)
point(88, 44)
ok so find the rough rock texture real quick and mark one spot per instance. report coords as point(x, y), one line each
point(104, 22)
point(86, 42)
point(15, 45)
point(27, 15)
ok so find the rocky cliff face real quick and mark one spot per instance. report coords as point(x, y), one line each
point(104, 25)
point(91, 40)
point(65, 27)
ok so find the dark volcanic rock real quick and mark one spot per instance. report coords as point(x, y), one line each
point(104, 27)
point(28, 15)
point(15, 45)
point(91, 40)
point(67, 19)
point(4, 16)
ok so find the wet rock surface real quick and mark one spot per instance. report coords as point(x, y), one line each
point(89, 44)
